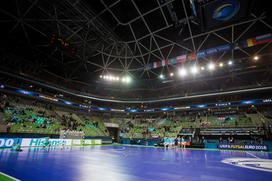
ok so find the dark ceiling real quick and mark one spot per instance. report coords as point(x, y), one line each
point(78, 40)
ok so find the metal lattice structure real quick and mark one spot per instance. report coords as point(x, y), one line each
point(120, 37)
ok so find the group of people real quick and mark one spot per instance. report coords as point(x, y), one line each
point(229, 140)
point(174, 142)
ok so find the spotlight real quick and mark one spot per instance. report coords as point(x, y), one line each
point(128, 79)
point(117, 78)
point(202, 68)
point(101, 76)
point(256, 57)
point(123, 79)
point(230, 62)
point(2, 86)
point(182, 72)
point(194, 69)
point(161, 76)
point(171, 74)
point(211, 66)
point(221, 64)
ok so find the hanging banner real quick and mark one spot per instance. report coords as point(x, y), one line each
point(164, 63)
point(267, 38)
point(181, 59)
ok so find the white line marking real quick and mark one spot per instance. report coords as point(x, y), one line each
point(9, 176)
point(253, 155)
point(250, 163)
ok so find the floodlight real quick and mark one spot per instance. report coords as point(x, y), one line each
point(211, 66)
point(230, 62)
point(194, 69)
point(123, 79)
point(256, 57)
point(128, 79)
point(161, 76)
point(182, 72)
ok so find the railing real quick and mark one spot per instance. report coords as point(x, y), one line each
point(232, 131)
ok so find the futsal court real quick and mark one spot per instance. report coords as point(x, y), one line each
point(123, 163)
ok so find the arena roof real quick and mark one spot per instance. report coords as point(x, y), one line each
point(78, 40)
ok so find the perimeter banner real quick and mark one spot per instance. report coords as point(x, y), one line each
point(36, 142)
point(9, 142)
point(39, 142)
point(91, 142)
point(243, 147)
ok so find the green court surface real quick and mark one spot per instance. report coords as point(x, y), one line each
point(4, 177)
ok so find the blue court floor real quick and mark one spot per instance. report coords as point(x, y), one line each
point(129, 163)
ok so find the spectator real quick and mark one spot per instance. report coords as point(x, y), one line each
point(220, 140)
point(232, 140)
point(8, 127)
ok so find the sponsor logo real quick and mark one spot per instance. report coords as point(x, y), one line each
point(8, 142)
point(43, 141)
point(226, 11)
point(250, 163)
point(243, 147)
